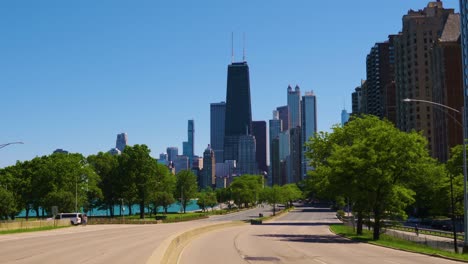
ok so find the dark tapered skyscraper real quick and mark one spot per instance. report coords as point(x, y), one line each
point(238, 120)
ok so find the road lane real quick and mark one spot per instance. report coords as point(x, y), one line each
point(89, 244)
point(300, 237)
point(100, 243)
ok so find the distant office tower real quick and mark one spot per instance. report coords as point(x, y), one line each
point(217, 117)
point(296, 155)
point(309, 127)
point(447, 88)
point(284, 157)
point(344, 117)
point(284, 116)
point(181, 162)
point(238, 121)
point(163, 159)
point(197, 162)
point(224, 173)
point(209, 169)
point(380, 77)
point(259, 131)
point(114, 151)
point(172, 153)
point(122, 141)
point(62, 151)
point(464, 41)
point(294, 107)
point(413, 78)
point(275, 129)
point(188, 147)
point(247, 163)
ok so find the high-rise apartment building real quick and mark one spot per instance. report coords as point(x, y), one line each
point(356, 101)
point(122, 141)
point(259, 131)
point(217, 117)
point(447, 88)
point(209, 169)
point(309, 127)
point(380, 93)
point(294, 107)
point(413, 78)
point(188, 147)
point(283, 115)
point(238, 121)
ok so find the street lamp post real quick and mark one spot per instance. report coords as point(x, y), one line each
point(7, 144)
point(465, 197)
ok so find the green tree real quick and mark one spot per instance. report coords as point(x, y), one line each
point(245, 189)
point(186, 187)
point(291, 193)
point(139, 168)
point(273, 196)
point(7, 203)
point(107, 167)
point(370, 162)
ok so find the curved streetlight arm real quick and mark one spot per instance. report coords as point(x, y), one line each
point(4, 145)
point(407, 100)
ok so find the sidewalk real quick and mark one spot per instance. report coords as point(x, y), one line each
point(429, 240)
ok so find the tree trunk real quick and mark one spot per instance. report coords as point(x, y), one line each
point(274, 209)
point(27, 212)
point(142, 209)
point(130, 209)
point(377, 223)
point(359, 223)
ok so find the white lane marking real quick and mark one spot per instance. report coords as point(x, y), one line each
point(319, 261)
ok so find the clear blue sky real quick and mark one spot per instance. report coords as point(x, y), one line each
point(74, 74)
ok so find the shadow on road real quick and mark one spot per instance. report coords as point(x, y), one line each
point(315, 210)
point(297, 223)
point(310, 238)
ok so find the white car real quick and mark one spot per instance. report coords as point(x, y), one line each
point(75, 218)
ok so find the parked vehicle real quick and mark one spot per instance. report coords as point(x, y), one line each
point(75, 218)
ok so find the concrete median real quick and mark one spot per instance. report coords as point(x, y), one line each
point(169, 250)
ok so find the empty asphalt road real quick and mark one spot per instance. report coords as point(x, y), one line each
point(301, 236)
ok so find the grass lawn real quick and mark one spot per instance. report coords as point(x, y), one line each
point(25, 230)
point(389, 241)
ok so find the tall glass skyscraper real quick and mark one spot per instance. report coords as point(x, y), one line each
point(122, 141)
point(259, 131)
point(238, 121)
point(309, 125)
point(188, 147)
point(294, 107)
point(217, 117)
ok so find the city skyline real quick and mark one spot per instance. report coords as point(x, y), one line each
point(75, 76)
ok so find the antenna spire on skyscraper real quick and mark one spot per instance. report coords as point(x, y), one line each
point(232, 47)
point(243, 48)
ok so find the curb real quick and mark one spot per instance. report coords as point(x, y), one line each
point(169, 250)
point(404, 250)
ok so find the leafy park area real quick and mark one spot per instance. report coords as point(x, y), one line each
point(382, 174)
point(73, 182)
point(392, 242)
